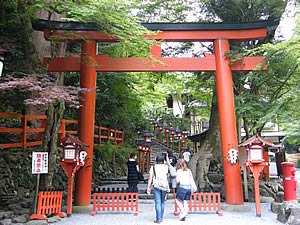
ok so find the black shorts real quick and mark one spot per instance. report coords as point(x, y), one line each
point(183, 194)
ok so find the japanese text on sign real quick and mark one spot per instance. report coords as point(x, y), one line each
point(39, 162)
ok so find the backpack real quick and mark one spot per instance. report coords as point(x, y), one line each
point(160, 182)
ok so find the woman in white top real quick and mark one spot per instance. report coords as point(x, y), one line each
point(183, 194)
point(158, 175)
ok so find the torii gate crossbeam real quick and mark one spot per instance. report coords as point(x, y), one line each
point(220, 34)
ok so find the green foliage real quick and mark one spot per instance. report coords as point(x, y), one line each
point(298, 163)
point(112, 15)
point(243, 10)
point(107, 156)
point(171, 11)
point(273, 95)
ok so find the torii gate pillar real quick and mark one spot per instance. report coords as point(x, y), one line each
point(86, 121)
point(232, 176)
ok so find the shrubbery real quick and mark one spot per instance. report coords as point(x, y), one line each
point(298, 163)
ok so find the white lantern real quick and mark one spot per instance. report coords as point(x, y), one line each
point(256, 153)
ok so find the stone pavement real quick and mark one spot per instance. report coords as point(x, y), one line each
point(147, 215)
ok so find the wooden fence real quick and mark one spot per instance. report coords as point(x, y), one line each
point(115, 202)
point(49, 203)
point(204, 202)
point(101, 134)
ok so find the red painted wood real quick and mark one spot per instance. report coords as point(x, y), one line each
point(118, 135)
point(232, 176)
point(204, 202)
point(86, 121)
point(118, 202)
point(49, 203)
point(108, 64)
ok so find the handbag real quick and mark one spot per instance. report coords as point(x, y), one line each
point(140, 176)
point(193, 184)
point(160, 183)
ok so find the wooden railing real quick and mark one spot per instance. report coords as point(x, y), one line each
point(101, 133)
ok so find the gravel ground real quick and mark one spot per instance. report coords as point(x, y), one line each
point(147, 215)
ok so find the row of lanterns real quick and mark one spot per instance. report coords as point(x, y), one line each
point(144, 146)
point(158, 127)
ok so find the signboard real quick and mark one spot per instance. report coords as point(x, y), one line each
point(39, 162)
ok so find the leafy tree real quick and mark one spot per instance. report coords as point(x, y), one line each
point(239, 11)
point(112, 16)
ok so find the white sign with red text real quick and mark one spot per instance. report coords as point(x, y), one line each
point(39, 162)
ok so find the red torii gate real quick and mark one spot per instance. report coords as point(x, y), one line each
point(219, 33)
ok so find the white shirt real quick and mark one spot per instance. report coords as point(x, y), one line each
point(186, 156)
point(183, 177)
point(161, 170)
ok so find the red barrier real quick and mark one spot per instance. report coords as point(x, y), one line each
point(49, 203)
point(115, 202)
point(204, 202)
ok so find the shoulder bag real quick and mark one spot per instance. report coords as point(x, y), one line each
point(193, 184)
point(160, 183)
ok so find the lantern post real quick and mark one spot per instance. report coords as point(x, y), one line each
point(255, 163)
point(156, 128)
point(73, 160)
point(160, 127)
point(151, 124)
point(139, 148)
point(148, 142)
point(178, 134)
point(148, 151)
point(185, 136)
point(172, 131)
point(167, 130)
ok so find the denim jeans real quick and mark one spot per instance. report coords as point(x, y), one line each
point(159, 198)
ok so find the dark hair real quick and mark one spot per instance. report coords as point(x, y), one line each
point(181, 164)
point(132, 155)
point(160, 159)
point(170, 151)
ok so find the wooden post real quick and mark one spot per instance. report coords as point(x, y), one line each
point(232, 176)
point(24, 133)
point(63, 129)
point(86, 121)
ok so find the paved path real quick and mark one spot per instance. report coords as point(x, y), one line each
point(147, 216)
point(297, 178)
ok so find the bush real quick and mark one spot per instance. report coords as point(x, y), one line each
point(298, 163)
point(110, 161)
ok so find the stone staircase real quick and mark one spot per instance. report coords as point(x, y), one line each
point(120, 183)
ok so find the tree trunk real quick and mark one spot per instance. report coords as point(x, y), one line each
point(210, 148)
point(43, 48)
point(50, 138)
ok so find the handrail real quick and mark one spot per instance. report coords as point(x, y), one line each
point(102, 133)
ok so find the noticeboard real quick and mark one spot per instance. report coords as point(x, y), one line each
point(39, 162)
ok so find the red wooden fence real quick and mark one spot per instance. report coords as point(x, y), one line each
point(101, 133)
point(49, 203)
point(204, 202)
point(115, 202)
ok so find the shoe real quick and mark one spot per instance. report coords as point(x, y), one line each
point(182, 219)
point(157, 221)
